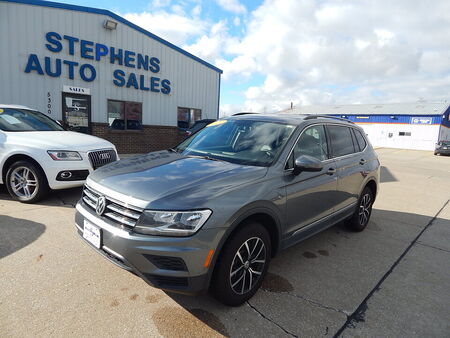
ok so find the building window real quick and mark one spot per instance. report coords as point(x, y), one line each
point(404, 133)
point(124, 115)
point(188, 116)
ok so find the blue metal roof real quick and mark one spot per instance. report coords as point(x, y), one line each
point(115, 17)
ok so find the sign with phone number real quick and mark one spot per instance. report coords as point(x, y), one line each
point(421, 120)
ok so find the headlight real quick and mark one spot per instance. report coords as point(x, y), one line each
point(171, 223)
point(59, 155)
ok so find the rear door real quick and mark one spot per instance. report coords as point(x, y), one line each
point(349, 163)
point(310, 195)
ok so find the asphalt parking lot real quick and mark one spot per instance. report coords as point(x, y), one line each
point(391, 280)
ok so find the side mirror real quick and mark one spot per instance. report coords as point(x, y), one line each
point(307, 163)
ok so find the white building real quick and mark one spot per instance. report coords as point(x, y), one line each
point(407, 126)
point(99, 73)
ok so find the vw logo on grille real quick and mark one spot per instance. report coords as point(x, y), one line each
point(105, 156)
point(101, 205)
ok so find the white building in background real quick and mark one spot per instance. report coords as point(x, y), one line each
point(405, 125)
point(98, 73)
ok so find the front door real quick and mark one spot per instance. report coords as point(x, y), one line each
point(76, 112)
point(310, 195)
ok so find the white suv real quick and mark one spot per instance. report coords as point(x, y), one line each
point(36, 153)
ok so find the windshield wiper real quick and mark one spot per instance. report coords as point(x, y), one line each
point(206, 157)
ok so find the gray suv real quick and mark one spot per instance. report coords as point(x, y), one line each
point(212, 212)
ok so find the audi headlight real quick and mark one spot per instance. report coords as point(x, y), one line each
point(59, 155)
point(171, 223)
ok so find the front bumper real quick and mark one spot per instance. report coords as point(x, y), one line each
point(442, 151)
point(54, 168)
point(170, 263)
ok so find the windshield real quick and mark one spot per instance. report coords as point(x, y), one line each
point(12, 119)
point(239, 141)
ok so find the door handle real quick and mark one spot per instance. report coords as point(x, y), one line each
point(362, 161)
point(331, 171)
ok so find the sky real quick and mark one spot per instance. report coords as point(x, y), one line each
point(308, 52)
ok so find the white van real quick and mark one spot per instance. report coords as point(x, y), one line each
point(36, 154)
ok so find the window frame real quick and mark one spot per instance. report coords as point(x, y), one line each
point(125, 117)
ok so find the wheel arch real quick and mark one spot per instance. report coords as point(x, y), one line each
point(18, 157)
point(372, 185)
point(266, 217)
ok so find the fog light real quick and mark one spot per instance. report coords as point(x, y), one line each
point(66, 174)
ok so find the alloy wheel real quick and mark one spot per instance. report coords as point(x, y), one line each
point(248, 265)
point(364, 209)
point(23, 182)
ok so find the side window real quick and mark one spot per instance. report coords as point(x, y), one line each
point(360, 138)
point(341, 140)
point(312, 142)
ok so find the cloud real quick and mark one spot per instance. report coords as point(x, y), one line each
point(175, 27)
point(315, 52)
point(332, 51)
point(233, 6)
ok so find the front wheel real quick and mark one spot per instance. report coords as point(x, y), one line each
point(361, 217)
point(26, 182)
point(242, 265)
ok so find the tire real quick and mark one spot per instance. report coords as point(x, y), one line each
point(435, 153)
point(361, 217)
point(236, 277)
point(26, 182)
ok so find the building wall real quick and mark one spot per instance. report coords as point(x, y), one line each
point(419, 132)
point(23, 29)
point(423, 137)
point(388, 124)
point(151, 138)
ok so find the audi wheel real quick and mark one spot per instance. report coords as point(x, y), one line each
point(26, 182)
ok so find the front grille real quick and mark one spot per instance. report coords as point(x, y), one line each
point(118, 213)
point(101, 157)
point(167, 263)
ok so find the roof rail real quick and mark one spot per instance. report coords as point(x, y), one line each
point(243, 113)
point(310, 117)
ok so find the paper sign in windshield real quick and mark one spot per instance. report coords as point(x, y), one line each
point(10, 119)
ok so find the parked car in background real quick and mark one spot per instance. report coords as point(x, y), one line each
point(36, 154)
point(212, 212)
point(198, 125)
point(442, 148)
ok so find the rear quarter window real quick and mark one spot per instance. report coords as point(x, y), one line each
point(360, 138)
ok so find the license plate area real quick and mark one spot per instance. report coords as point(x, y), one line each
point(92, 234)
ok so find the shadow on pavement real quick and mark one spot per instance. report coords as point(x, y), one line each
point(54, 198)
point(321, 269)
point(17, 233)
point(386, 175)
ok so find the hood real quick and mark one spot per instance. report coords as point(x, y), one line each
point(169, 180)
point(58, 140)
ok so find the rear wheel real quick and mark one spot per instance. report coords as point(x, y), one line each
point(26, 182)
point(361, 217)
point(242, 265)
